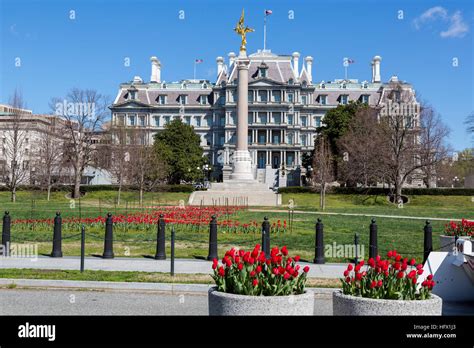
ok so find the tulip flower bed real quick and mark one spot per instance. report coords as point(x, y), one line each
point(252, 273)
point(464, 228)
point(186, 219)
point(393, 278)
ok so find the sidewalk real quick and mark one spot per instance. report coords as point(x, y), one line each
point(182, 266)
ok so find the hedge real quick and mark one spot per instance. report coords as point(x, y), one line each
point(95, 188)
point(382, 191)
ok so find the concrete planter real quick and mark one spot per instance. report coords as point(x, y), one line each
point(354, 305)
point(446, 243)
point(221, 303)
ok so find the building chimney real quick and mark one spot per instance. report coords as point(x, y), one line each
point(220, 65)
point(155, 70)
point(296, 57)
point(231, 56)
point(376, 69)
point(309, 67)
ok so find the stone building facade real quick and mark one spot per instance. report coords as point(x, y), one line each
point(287, 104)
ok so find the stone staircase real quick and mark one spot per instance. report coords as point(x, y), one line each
point(236, 192)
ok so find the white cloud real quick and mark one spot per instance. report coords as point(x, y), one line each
point(457, 26)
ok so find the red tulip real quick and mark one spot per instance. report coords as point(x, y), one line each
point(412, 262)
point(400, 275)
point(221, 271)
point(240, 266)
point(297, 258)
point(284, 250)
point(306, 269)
point(379, 284)
point(346, 273)
point(429, 277)
point(258, 269)
point(255, 282)
point(373, 284)
point(349, 267)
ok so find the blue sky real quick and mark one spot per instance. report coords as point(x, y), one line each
point(58, 53)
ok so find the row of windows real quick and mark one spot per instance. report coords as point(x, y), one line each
point(158, 121)
point(163, 99)
point(275, 138)
point(261, 118)
point(264, 96)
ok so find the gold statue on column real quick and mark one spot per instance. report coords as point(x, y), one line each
point(242, 31)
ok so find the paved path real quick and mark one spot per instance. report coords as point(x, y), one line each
point(73, 302)
point(355, 214)
point(37, 302)
point(186, 266)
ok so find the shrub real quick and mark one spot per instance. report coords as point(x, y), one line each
point(394, 278)
point(252, 273)
point(381, 191)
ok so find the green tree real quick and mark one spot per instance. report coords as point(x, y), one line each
point(179, 147)
point(336, 123)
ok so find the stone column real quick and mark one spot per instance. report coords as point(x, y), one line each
point(242, 162)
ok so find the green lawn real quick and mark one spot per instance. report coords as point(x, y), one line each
point(140, 277)
point(406, 235)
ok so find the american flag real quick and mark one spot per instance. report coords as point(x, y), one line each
point(268, 12)
point(350, 61)
point(199, 61)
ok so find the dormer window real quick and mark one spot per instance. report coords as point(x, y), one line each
point(291, 81)
point(182, 99)
point(163, 85)
point(203, 99)
point(343, 99)
point(132, 93)
point(262, 70)
point(161, 99)
point(344, 85)
point(364, 98)
point(365, 85)
point(304, 83)
point(322, 84)
point(204, 85)
point(323, 99)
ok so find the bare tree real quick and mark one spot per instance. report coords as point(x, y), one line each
point(323, 167)
point(144, 168)
point(432, 143)
point(49, 157)
point(83, 111)
point(470, 124)
point(364, 149)
point(120, 154)
point(412, 140)
point(17, 166)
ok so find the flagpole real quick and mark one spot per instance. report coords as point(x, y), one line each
point(345, 68)
point(194, 76)
point(264, 31)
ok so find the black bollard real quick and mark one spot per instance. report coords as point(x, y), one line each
point(160, 239)
point(319, 247)
point(428, 241)
point(373, 244)
point(57, 236)
point(173, 237)
point(266, 236)
point(212, 239)
point(83, 246)
point(109, 238)
point(356, 247)
point(6, 232)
